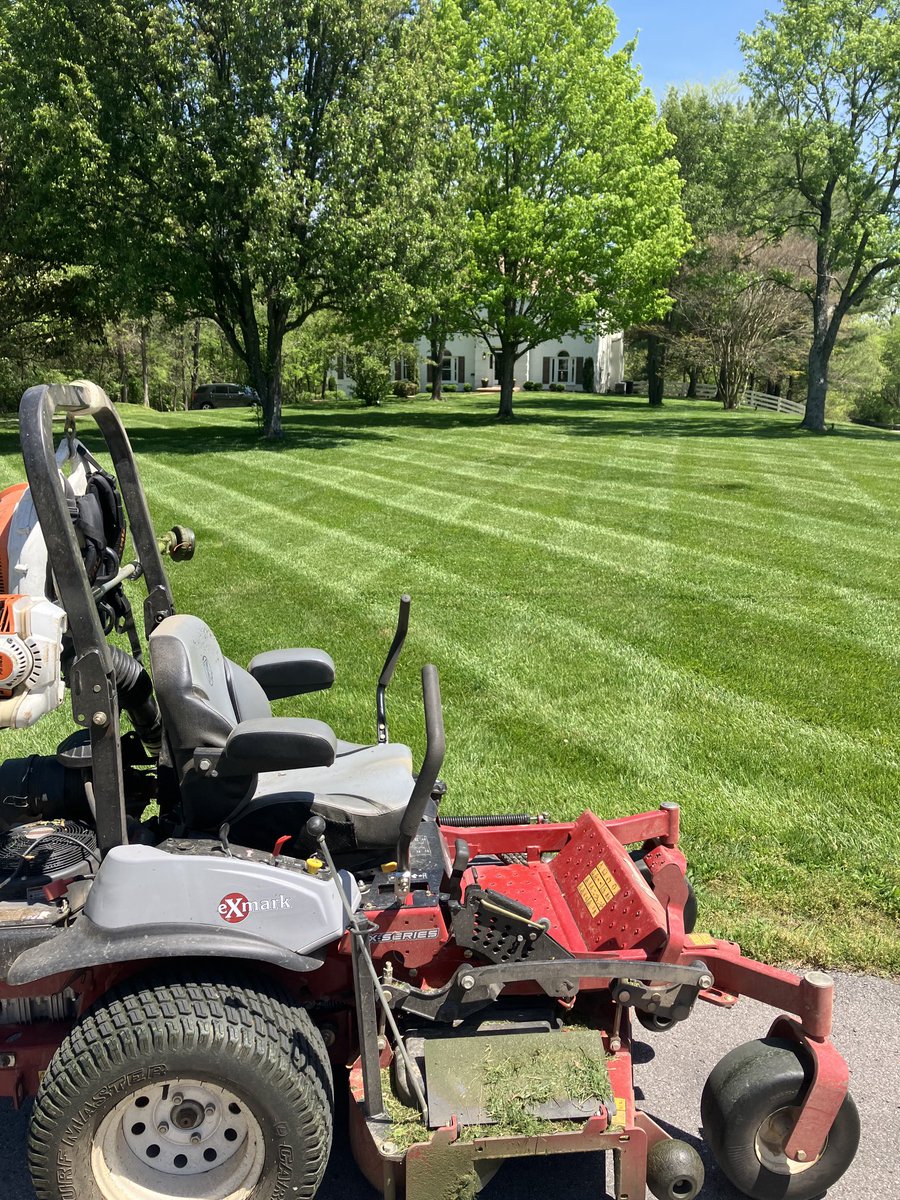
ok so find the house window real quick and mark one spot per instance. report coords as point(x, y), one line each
point(447, 367)
point(562, 367)
point(341, 369)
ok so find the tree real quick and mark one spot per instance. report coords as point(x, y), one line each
point(722, 145)
point(833, 69)
point(440, 265)
point(250, 163)
point(574, 216)
point(735, 300)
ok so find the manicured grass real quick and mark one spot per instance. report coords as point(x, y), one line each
point(626, 607)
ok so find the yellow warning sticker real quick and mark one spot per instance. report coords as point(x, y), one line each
point(598, 888)
point(700, 940)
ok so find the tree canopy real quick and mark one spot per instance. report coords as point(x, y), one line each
point(574, 214)
point(832, 69)
point(254, 163)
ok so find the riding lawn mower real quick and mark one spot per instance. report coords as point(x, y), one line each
point(210, 914)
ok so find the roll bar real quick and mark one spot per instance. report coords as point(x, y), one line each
point(91, 680)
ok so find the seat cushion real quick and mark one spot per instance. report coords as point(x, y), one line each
point(366, 789)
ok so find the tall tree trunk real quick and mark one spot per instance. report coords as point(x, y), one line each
point(507, 383)
point(182, 371)
point(122, 360)
point(656, 358)
point(693, 374)
point(145, 362)
point(268, 387)
point(824, 332)
point(195, 358)
point(816, 389)
point(824, 327)
point(437, 346)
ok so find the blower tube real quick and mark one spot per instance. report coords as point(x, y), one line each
point(135, 693)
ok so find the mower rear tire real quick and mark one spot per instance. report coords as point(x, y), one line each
point(203, 1073)
point(748, 1109)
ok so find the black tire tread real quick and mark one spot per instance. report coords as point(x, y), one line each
point(738, 1083)
point(177, 1009)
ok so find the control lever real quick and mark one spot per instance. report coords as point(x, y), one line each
point(435, 745)
point(460, 862)
point(387, 671)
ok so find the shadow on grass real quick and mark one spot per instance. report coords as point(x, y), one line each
point(314, 427)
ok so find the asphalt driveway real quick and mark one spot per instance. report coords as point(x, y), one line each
point(670, 1072)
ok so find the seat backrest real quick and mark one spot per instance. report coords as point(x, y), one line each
point(202, 695)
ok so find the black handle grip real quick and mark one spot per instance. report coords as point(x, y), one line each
point(390, 663)
point(431, 765)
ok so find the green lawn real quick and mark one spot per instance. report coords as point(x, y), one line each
point(625, 607)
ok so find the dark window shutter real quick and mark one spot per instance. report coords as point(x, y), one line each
point(461, 368)
point(429, 373)
point(545, 378)
point(579, 370)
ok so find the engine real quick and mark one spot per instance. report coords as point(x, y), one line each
point(31, 682)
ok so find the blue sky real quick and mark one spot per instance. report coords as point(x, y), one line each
point(687, 41)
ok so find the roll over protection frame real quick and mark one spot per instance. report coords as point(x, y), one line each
point(91, 679)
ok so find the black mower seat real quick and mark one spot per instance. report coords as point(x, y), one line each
point(367, 788)
point(203, 697)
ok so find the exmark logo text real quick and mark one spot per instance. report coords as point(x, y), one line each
point(235, 907)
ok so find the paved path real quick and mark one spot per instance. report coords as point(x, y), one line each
point(669, 1076)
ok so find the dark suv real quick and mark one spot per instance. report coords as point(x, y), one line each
point(223, 395)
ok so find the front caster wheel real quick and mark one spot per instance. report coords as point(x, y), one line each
point(748, 1109)
point(173, 1084)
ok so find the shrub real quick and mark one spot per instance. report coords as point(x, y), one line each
point(372, 379)
point(449, 387)
point(556, 387)
point(405, 388)
point(587, 379)
point(468, 387)
point(877, 409)
point(531, 385)
point(332, 384)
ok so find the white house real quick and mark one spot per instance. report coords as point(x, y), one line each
point(468, 360)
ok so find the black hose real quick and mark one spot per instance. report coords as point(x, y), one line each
point(135, 693)
point(481, 822)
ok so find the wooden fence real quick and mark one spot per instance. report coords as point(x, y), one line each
point(750, 399)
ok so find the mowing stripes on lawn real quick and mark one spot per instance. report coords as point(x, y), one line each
point(739, 706)
point(662, 551)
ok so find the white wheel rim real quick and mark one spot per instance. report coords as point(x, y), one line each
point(771, 1139)
point(181, 1139)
